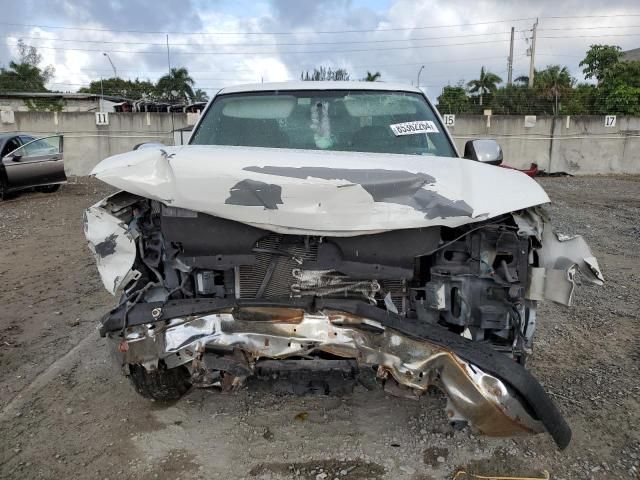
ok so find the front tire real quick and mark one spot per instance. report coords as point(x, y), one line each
point(3, 191)
point(163, 385)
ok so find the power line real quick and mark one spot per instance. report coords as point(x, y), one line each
point(273, 52)
point(551, 54)
point(592, 16)
point(279, 44)
point(298, 32)
point(596, 36)
point(328, 51)
point(294, 32)
point(587, 28)
point(342, 42)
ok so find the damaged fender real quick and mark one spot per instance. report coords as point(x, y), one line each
point(112, 244)
point(560, 259)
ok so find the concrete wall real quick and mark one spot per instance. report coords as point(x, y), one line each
point(576, 144)
point(69, 104)
point(579, 145)
point(86, 143)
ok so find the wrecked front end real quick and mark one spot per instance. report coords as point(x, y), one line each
point(217, 303)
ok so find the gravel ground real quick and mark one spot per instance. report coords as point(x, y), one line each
point(67, 413)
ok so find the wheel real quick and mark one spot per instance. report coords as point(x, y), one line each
point(164, 384)
point(49, 188)
point(4, 194)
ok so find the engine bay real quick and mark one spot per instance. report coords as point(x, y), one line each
point(470, 280)
point(212, 302)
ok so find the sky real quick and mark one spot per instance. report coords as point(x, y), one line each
point(224, 43)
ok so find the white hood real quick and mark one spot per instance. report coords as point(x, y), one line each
point(320, 192)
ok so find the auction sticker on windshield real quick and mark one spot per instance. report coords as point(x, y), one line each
point(413, 128)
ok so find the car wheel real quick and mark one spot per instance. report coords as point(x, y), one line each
point(4, 194)
point(164, 384)
point(49, 188)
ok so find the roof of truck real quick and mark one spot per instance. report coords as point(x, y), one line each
point(300, 85)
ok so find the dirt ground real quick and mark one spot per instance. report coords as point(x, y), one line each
point(66, 412)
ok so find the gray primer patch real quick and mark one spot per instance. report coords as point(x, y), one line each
point(252, 193)
point(107, 246)
point(389, 186)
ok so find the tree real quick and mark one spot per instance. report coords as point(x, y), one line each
point(176, 85)
point(514, 100)
point(623, 73)
point(29, 56)
point(599, 59)
point(553, 83)
point(582, 100)
point(200, 96)
point(619, 90)
point(372, 77)
point(118, 87)
point(620, 100)
point(325, 73)
point(26, 74)
point(487, 83)
point(453, 100)
point(22, 77)
point(522, 79)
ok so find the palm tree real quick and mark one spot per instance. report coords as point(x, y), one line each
point(177, 83)
point(200, 96)
point(522, 80)
point(553, 82)
point(487, 83)
point(372, 77)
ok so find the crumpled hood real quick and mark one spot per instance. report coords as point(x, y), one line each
point(320, 192)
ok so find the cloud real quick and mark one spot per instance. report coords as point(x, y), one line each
point(117, 14)
point(394, 37)
point(295, 14)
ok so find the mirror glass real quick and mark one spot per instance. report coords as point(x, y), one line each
point(485, 150)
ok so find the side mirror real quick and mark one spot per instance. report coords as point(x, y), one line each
point(15, 158)
point(485, 150)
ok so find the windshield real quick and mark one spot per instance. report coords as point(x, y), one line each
point(356, 121)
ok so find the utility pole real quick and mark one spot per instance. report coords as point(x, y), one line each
point(510, 61)
point(419, 72)
point(101, 95)
point(173, 127)
point(168, 54)
point(533, 54)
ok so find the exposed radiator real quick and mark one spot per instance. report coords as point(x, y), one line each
point(277, 268)
point(273, 273)
point(398, 291)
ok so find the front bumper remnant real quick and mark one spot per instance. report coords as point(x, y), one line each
point(486, 388)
